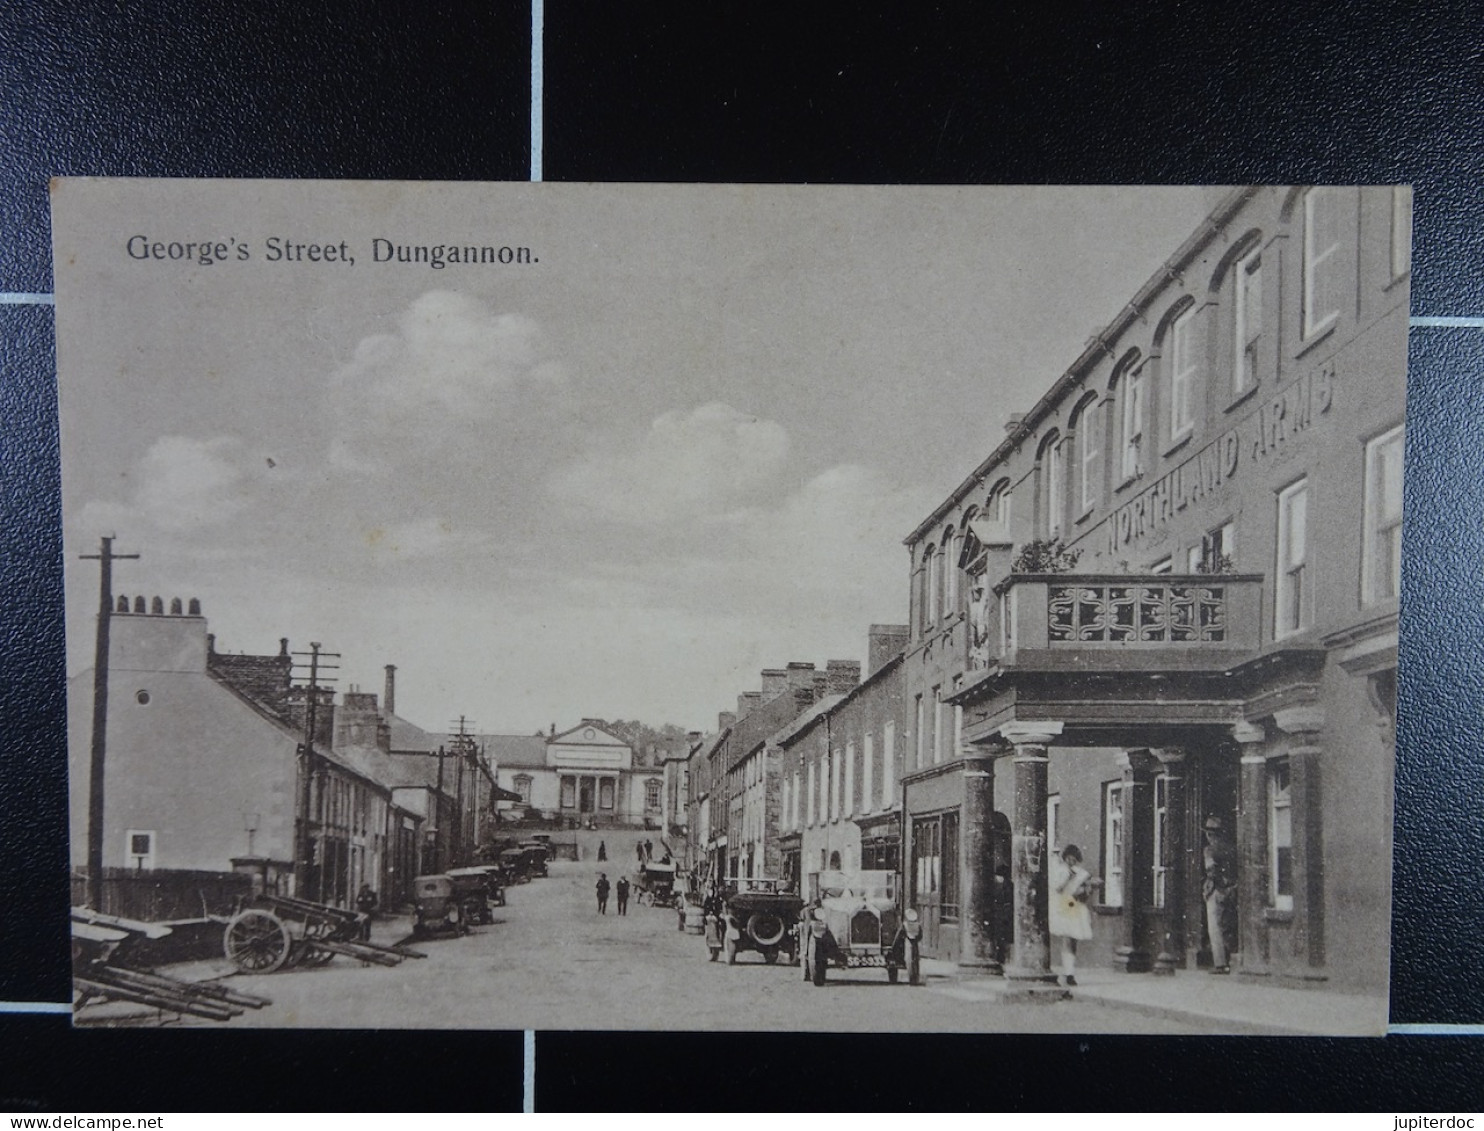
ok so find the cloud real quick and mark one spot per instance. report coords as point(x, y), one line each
point(688, 465)
point(181, 484)
point(450, 364)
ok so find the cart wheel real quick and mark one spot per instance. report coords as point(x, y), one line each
point(731, 948)
point(820, 966)
point(891, 974)
point(314, 956)
point(914, 964)
point(256, 942)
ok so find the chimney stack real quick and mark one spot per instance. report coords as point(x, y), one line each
point(800, 675)
point(884, 641)
point(725, 719)
point(746, 702)
point(389, 694)
point(845, 676)
point(775, 683)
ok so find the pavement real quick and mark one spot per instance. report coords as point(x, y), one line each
point(551, 962)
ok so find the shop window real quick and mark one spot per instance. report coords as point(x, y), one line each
point(1248, 323)
point(1381, 569)
point(927, 857)
point(1160, 831)
point(1280, 835)
point(1131, 463)
point(1401, 231)
point(948, 903)
point(1113, 843)
point(1183, 365)
point(522, 785)
point(1289, 596)
point(1321, 283)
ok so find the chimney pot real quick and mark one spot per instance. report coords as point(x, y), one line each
point(193, 607)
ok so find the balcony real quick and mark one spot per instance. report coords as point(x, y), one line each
point(1124, 622)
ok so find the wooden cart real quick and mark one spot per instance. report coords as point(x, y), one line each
point(275, 931)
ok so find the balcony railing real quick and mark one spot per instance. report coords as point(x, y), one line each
point(1220, 613)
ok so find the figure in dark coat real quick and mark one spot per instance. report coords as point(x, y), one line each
point(623, 895)
point(366, 902)
point(602, 850)
point(602, 893)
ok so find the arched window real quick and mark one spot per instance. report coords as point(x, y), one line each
point(948, 560)
point(1178, 342)
point(932, 607)
point(1053, 485)
point(1128, 386)
point(1088, 425)
point(997, 505)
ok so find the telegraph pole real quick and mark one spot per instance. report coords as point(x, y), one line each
point(303, 848)
point(105, 557)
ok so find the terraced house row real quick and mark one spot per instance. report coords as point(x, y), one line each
point(1165, 603)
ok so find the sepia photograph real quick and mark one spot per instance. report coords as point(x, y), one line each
point(731, 607)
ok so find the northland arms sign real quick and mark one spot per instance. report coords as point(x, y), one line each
point(1258, 437)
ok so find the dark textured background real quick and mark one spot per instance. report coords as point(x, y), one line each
point(1037, 92)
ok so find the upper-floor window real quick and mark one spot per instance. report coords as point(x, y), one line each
point(1381, 568)
point(1183, 367)
point(1090, 454)
point(652, 795)
point(868, 774)
point(522, 785)
point(1130, 464)
point(847, 807)
point(948, 562)
point(1248, 320)
point(1290, 598)
point(1164, 565)
point(888, 763)
point(1056, 478)
point(1113, 843)
point(934, 591)
point(1321, 284)
point(1216, 553)
point(1401, 231)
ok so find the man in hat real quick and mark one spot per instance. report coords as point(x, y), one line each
point(1220, 860)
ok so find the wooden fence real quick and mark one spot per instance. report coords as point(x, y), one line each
point(163, 895)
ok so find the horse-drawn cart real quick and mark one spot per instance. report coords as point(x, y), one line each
point(275, 931)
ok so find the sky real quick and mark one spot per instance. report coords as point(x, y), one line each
point(683, 443)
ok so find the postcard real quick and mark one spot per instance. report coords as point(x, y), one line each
point(752, 607)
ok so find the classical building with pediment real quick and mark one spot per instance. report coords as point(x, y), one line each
point(586, 774)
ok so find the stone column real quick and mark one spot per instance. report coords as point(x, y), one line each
point(1174, 861)
point(1132, 954)
point(1305, 724)
point(976, 824)
point(1252, 850)
point(1030, 959)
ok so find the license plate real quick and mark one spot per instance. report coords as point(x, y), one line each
point(865, 960)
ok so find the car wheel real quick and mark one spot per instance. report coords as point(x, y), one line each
point(891, 974)
point(731, 948)
point(765, 928)
point(819, 966)
point(914, 964)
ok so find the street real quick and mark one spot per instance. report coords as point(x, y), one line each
point(550, 961)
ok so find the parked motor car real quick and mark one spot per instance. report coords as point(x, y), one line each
point(513, 866)
point(854, 920)
point(436, 907)
point(489, 877)
point(760, 915)
point(536, 856)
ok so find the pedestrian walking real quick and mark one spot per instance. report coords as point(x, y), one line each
point(649, 850)
point(639, 852)
point(366, 903)
point(602, 850)
point(1068, 917)
point(623, 895)
point(602, 893)
point(1219, 858)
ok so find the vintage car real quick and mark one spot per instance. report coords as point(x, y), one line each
point(654, 884)
point(853, 921)
point(437, 909)
point(513, 866)
point(760, 915)
point(489, 877)
point(537, 854)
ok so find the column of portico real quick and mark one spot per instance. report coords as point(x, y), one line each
point(976, 826)
point(1030, 958)
point(1173, 861)
point(1305, 724)
point(1132, 954)
point(1252, 849)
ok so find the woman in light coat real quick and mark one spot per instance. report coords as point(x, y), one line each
point(1067, 914)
